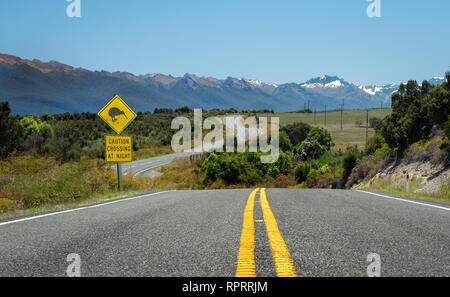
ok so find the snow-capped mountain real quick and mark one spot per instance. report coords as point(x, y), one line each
point(32, 86)
point(384, 92)
point(437, 80)
point(332, 91)
point(325, 81)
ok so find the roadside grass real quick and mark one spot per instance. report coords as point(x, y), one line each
point(13, 212)
point(29, 184)
point(421, 151)
point(386, 186)
point(181, 174)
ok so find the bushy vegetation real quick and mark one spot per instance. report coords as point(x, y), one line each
point(317, 141)
point(309, 161)
point(28, 182)
point(243, 168)
point(10, 131)
point(415, 111)
point(71, 136)
point(419, 112)
point(297, 132)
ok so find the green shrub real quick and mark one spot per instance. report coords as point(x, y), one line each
point(285, 142)
point(234, 168)
point(374, 144)
point(447, 128)
point(328, 158)
point(6, 204)
point(313, 173)
point(284, 163)
point(349, 162)
point(321, 136)
point(311, 178)
point(308, 150)
point(243, 168)
point(297, 132)
point(301, 171)
point(274, 172)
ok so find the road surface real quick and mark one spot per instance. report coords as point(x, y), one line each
point(224, 233)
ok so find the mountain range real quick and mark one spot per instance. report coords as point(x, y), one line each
point(33, 86)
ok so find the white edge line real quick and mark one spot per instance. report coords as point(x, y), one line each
point(79, 208)
point(405, 200)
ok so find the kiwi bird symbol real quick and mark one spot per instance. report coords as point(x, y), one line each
point(114, 112)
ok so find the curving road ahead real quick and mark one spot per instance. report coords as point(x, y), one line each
point(140, 167)
point(224, 233)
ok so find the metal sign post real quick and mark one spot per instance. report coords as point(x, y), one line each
point(407, 183)
point(119, 176)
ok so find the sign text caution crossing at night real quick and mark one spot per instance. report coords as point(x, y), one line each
point(118, 148)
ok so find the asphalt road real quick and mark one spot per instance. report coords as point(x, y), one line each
point(198, 233)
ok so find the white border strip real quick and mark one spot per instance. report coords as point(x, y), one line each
point(77, 209)
point(405, 200)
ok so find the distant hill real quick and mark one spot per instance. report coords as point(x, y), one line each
point(33, 86)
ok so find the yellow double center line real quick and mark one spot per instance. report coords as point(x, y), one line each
point(246, 257)
point(284, 265)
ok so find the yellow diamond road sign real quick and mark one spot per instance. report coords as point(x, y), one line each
point(117, 114)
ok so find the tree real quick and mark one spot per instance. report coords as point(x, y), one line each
point(349, 162)
point(297, 132)
point(447, 128)
point(416, 109)
point(184, 109)
point(321, 136)
point(10, 131)
point(447, 76)
point(36, 133)
point(308, 150)
point(438, 105)
point(285, 142)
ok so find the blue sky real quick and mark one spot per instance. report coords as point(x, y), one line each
point(273, 41)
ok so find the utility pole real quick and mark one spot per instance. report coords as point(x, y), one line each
point(325, 115)
point(342, 113)
point(367, 128)
point(315, 116)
